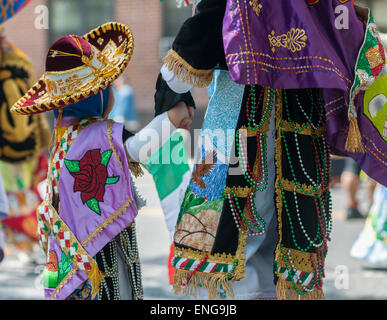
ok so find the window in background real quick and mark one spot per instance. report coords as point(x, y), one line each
point(78, 17)
point(173, 19)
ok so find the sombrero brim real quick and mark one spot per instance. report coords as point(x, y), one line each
point(37, 100)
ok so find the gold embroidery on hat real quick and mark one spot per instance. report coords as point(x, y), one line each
point(106, 74)
point(51, 86)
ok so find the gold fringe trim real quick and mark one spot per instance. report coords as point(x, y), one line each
point(135, 168)
point(308, 130)
point(301, 260)
point(214, 283)
point(96, 277)
point(185, 72)
point(285, 291)
point(354, 143)
point(289, 186)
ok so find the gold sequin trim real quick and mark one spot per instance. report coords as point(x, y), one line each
point(104, 224)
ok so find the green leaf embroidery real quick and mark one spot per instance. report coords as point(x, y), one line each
point(196, 202)
point(56, 228)
point(112, 180)
point(93, 204)
point(105, 157)
point(191, 198)
point(64, 267)
point(72, 165)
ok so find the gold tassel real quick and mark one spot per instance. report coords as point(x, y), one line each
point(354, 143)
point(57, 134)
point(213, 283)
point(95, 276)
point(185, 72)
point(285, 291)
point(136, 169)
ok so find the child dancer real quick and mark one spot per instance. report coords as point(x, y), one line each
point(86, 222)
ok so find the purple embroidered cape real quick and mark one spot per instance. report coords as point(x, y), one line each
point(293, 44)
point(96, 201)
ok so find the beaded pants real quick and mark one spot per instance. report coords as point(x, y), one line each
point(302, 196)
point(119, 261)
point(295, 204)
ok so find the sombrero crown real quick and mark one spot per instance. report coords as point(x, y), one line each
point(78, 67)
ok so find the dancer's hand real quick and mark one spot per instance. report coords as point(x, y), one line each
point(181, 115)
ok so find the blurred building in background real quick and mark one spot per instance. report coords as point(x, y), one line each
point(379, 11)
point(153, 23)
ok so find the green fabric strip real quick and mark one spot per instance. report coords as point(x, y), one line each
point(168, 165)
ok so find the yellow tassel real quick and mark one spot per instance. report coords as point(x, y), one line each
point(354, 143)
point(136, 169)
point(286, 291)
point(213, 283)
point(185, 72)
point(95, 276)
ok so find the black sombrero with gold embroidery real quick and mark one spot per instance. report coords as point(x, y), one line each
point(78, 67)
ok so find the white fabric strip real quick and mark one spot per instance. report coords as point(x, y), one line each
point(174, 82)
point(149, 139)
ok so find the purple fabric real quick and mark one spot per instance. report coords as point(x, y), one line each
point(76, 280)
point(374, 161)
point(78, 217)
point(326, 61)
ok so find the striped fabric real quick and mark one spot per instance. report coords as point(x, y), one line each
point(207, 267)
point(303, 278)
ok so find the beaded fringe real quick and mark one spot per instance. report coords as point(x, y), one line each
point(214, 283)
point(185, 72)
point(354, 143)
point(285, 291)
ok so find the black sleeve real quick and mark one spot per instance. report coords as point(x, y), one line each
point(126, 135)
point(166, 98)
point(200, 39)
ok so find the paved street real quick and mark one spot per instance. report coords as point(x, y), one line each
point(346, 278)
